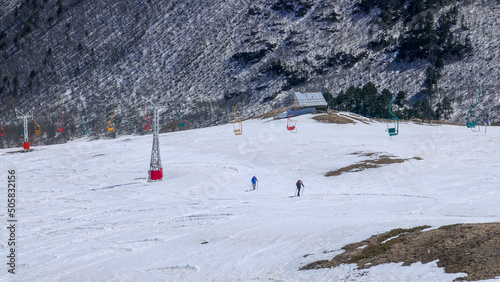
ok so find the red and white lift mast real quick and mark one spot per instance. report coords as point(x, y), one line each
point(155, 168)
point(24, 117)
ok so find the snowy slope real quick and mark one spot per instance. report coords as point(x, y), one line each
point(86, 212)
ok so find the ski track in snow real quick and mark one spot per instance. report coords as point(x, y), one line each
point(87, 213)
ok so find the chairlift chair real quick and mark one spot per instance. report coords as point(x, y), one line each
point(85, 127)
point(291, 124)
point(111, 128)
point(38, 128)
point(181, 122)
point(395, 129)
point(2, 131)
point(60, 127)
point(147, 126)
point(472, 120)
point(473, 125)
point(237, 125)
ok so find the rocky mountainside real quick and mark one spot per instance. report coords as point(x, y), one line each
point(75, 60)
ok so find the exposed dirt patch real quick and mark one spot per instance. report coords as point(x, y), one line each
point(360, 118)
point(273, 113)
point(372, 163)
point(470, 248)
point(333, 118)
point(20, 151)
point(447, 122)
point(364, 154)
point(435, 122)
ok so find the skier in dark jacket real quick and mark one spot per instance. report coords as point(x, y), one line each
point(299, 185)
point(254, 182)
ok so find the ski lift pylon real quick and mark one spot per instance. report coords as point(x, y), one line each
point(290, 123)
point(38, 128)
point(471, 118)
point(147, 126)
point(237, 125)
point(393, 130)
point(111, 128)
point(60, 127)
point(2, 131)
point(24, 127)
point(180, 121)
point(85, 127)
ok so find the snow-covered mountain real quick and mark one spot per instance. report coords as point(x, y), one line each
point(85, 212)
point(84, 59)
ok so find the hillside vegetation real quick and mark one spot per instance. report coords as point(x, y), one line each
point(86, 59)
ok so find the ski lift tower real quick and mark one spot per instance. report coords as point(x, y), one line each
point(155, 168)
point(24, 117)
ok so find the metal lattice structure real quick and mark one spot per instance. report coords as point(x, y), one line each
point(155, 168)
point(24, 117)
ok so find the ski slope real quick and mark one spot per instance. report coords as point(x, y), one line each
point(86, 212)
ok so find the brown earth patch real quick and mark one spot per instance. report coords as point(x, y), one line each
point(374, 163)
point(333, 118)
point(273, 113)
point(20, 151)
point(470, 248)
point(435, 122)
point(363, 154)
point(356, 118)
point(447, 122)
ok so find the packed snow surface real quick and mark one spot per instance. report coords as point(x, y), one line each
point(86, 212)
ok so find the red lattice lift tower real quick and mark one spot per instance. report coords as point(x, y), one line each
point(155, 168)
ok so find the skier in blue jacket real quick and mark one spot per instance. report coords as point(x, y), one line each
point(254, 182)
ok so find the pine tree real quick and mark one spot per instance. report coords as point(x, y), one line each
point(430, 82)
point(427, 111)
point(329, 99)
point(439, 111)
point(384, 101)
point(400, 98)
point(416, 111)
point(447, 109)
